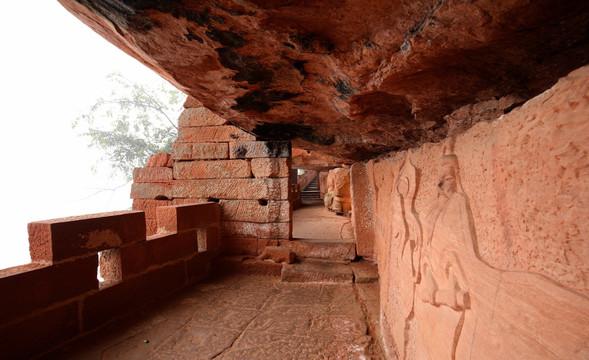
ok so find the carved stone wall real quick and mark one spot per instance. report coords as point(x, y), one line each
point(481, 240)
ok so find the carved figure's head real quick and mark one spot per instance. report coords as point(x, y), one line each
point(449, 182)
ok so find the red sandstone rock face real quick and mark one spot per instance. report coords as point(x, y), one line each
point(351, 79)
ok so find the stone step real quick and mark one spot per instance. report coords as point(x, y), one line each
point(344, 251)
point(247, 264)
point(322, 272)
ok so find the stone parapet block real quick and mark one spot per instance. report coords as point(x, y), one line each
point(158, 250)
point(199, 116)
point(273, 168)
point(34, 286)
point(220, 169)
point(200, 151)
point(181, 218)
point(244, 189)
point(156, 191)
point(152, 175)
point(60, 239)
point(243, 149)
point(255, 230)
point(126, 296)
point(42, 331)
point(212, 134)
point(148, 206)
point(260, 211)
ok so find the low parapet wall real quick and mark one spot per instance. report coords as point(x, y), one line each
point(58, 296)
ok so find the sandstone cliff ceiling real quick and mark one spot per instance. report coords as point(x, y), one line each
point(348, 78)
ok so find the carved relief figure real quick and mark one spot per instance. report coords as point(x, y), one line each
point(448, 231)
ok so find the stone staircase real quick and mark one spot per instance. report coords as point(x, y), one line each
point(311, 195)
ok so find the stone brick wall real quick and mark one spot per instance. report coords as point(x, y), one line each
point(58, 296)
point(213, 161)
point(481, 240)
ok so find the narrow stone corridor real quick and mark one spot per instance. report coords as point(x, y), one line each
point(244, 317)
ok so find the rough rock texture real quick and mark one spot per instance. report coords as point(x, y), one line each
point(351, 79)
point(482, 240)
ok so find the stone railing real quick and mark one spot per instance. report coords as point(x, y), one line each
point(58, 296)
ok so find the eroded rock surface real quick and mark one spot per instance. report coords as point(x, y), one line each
point(347, 78)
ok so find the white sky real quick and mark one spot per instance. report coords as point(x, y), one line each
point(52, 67)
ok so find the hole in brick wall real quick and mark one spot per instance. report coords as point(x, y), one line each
point(109, 267)
point(263, 202)
point(161, 197)
point(211, 199)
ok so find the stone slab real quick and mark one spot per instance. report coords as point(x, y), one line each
point(199, 116)
point(210, 134)
point(255, 230)
point(267, 188)
point(156, 191)
point(255, 210)
point(339, 251)
point(152, 175)
point(259, 149)
point(364, 271)
point(219, 169)
point(274, 168)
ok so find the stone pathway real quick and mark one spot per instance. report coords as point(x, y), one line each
point(316, 222)
point(242, 317)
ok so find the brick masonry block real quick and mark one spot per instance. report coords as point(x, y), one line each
point(262, 243)
point(243, 246)
point(199, 116)
point(191, 103)
point(220, 169)
point(130, 295)
point(255, 230)
point(159, 191)
point(263, 188)
point(32, 287)
point(180, 218)
point(39, 333)
point(60, 239)
point(110, 265)
point(261, 211)
point(200, 151)
point(278, 254)
point(148, 206)
point(189, 201)
point(158, 250)
point(181, 151)
point(152, 175)
point(241, 149)
point(159, 160)
point(211, 134)
point(274, 168)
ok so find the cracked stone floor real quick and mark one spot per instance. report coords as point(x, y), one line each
point(241, 316)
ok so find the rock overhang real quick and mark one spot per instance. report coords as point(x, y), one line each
point(347, 79)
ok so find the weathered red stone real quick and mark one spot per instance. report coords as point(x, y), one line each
point(199, 116)
point(244, 149)
point(200, 151)
point(267, 167)
point(257, 230)
point(191, 102)
point(239, 246)
point(156, 191)
point(159, 160)
point(264, 188)
point(152, 175)
point(61, 239)
point(277, 254)
point(149, 206)
point(362, 216)
point(181, 218)
point(213, 134)
point(255, 210)
point(221, 169)
point(31, 287)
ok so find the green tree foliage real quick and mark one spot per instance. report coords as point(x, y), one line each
point(134, 122)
